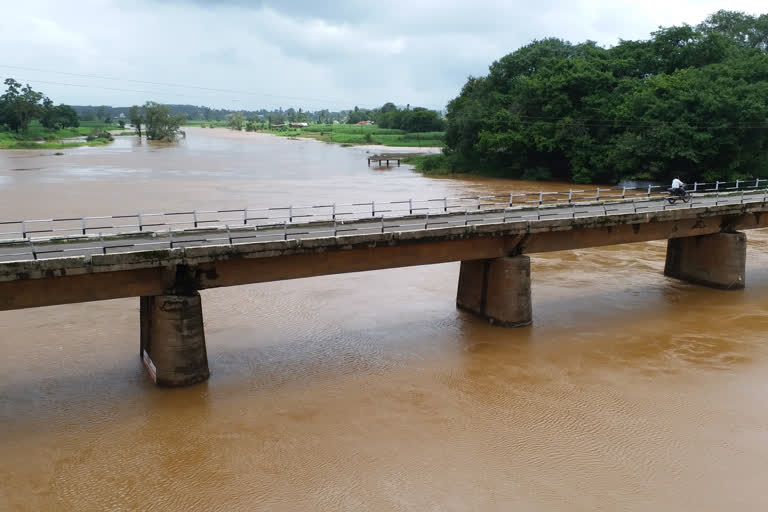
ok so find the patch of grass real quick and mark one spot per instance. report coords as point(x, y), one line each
point(39, 137)
point(365, 134)
point(206, 124)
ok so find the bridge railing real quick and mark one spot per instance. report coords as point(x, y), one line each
point(484, 211)
point(255, 217)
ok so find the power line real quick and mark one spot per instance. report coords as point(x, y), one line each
point(170, 84)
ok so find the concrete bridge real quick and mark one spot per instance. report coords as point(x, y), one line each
point(706, 246)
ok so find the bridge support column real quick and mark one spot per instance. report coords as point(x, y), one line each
point(497, 289)
point(172, 344)
point(716, 260)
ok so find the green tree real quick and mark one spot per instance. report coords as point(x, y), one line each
point(388, 107)
point(61, 116)
point(101, 113)
point(161, 123)
point(19, 105)
point(275, 119)
point(691, 101)
point(236, 121)
point(136, 117)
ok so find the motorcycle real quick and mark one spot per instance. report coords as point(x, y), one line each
point(680, 193)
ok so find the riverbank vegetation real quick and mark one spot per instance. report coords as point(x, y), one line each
point(159, 121)
point(29, 119)
point(689, 101)
point(364, 134)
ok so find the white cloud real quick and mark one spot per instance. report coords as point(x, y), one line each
point(301, 53)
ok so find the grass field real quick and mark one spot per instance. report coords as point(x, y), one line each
point(206, 124)
point(39, 137)
point(354, 134)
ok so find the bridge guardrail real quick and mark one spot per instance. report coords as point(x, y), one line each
point(251, 217)
point(102, 243)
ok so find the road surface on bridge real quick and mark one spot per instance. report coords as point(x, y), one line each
point(108, 243)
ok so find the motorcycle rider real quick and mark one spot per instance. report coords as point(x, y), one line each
point(678, 187)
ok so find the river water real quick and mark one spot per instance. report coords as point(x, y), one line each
point(371, 391)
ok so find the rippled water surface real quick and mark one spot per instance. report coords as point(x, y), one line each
point(370, 391)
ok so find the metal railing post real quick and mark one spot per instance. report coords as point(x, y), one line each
point(23, 229)
point(103, 247)
point(623, 192)
point(570, 195)
point(170, 237)
point(511, 195)
point(445, 204)
point(245, 216)
point(32, 248)
point(649, 191)
point(194, 217)
point(141, 228)
point(285, 230)
point(333, 212)
point(541, 197)
point(695, 184)
point(229, 235)
point(82, 221)
point(410, 207)
point(373, 208)
point(290, 213)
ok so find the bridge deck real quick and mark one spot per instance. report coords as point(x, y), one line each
point(114, 243)
point(310, 251)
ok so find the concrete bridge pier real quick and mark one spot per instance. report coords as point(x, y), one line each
point(172, 344)
point(717, 260)
point(497, 289)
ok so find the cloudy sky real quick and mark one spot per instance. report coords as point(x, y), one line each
point(313, 54)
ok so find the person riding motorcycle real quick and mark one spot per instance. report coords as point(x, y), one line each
point(678, 187)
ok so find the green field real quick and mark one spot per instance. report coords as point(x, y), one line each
point(206, 124)
point(39, 137)
point(362, 134)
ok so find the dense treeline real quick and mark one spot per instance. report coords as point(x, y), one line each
point(690, 100)
point(417, 119)
point(19, 106)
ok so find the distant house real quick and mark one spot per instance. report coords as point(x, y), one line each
point(298, 125)
point(366, 123)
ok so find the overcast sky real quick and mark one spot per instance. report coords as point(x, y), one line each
point(301, 53)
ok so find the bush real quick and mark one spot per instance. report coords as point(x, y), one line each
point(99, 134)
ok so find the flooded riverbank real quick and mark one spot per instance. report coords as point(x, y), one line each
point(371, 391)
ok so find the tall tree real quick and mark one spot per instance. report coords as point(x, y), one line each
point(236, 121)
point(19, 105)
point(136, 117)
point(161, 123)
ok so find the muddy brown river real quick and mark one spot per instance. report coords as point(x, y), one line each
point(371, 391)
